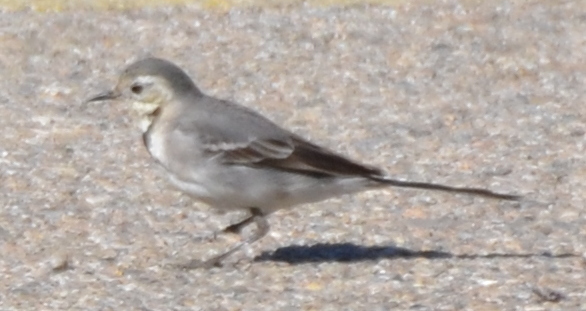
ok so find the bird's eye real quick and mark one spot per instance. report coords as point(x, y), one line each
point(136, 89)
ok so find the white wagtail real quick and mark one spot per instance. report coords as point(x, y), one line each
point(231, 157)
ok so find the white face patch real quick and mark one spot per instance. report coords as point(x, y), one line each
point(143, 108)
point(145, 111)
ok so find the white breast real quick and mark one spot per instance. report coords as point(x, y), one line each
point(157, 146)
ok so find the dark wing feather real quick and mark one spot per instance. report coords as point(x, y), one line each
point(327, 162)
point(295, 155)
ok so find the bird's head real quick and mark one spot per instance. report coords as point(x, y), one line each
point(150, 85)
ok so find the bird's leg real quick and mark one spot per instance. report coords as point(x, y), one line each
point(233, 228)
point(237, 227)
point(262, 227)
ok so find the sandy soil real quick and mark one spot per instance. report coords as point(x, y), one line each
point(490, 95)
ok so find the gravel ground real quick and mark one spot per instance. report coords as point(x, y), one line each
point(490, 96)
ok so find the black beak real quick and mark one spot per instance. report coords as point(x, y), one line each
point(104, 96)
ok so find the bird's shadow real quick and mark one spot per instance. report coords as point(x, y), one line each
point(349, 252)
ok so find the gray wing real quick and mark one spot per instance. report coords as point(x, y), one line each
point(236, 135)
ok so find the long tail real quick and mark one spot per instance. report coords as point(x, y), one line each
point(429, 186)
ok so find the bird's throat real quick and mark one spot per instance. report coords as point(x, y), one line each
point(147, 113)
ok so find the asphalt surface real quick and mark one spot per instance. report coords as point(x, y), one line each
point(490, 95)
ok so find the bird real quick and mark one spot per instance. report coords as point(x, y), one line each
point(232, 158)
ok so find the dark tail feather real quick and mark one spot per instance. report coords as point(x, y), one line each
point(428, 186)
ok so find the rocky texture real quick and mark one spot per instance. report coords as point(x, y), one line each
point(487, 95)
